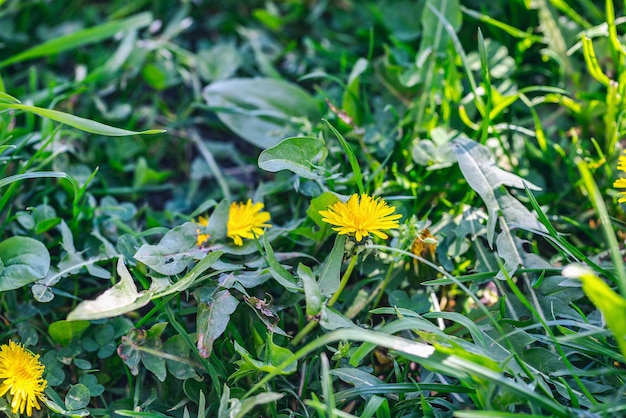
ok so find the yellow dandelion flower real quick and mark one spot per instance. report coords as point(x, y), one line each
point(361, 218)
point(621, 182)
point(246, 220)
point(202, 238)
point(21, 374)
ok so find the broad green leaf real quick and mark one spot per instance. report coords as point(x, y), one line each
point(275, 354)
point(330, 272)
point(321, 202)
point(218, 221)
point(119, 299)
point(213, 317)
point(23, 260)
point(191, 277)
point(249, 364)
point(56, 407)
point(311, 290)
point(612, 305)
point(177, 348)
point(77, 397)
point(482, 174)
point(262, 111)
point(79, 38)
point(153, 359)
point(86, 125)
point(278, 272)
point(298, 154)
point(173, 253)
point(507, 248)
point(62, 332)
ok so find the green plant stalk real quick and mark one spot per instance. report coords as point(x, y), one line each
point(598, 204)
point(344, 280)
point(305, 331)
point(313, 323)
point(380, 289)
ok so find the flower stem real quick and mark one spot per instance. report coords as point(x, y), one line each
point(304, 331)
point(380, 290)
point(344, 281)
point(313, 323)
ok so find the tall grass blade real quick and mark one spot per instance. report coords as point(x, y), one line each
point(83, 124)
point(80, 38)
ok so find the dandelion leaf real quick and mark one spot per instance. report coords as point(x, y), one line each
point(298, 155)
point(123, 297)
point(173, 253)
point(482, 174)
point(213, 317)
point(262, 111)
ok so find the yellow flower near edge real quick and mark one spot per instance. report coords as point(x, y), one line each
point(21, 373)
point(359, 218)
point(621, 182)
point(202, 238)
point(246, 220)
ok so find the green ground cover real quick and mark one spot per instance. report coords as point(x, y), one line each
point(308, 208)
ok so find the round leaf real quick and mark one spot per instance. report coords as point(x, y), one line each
point(25, 260)
point(77, 397)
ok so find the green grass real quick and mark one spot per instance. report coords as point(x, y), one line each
point(494, 128)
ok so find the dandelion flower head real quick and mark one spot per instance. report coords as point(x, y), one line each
point(246, 220)
point(361, 217)
point(202, 238)
point(21, 375)
point(620, 183)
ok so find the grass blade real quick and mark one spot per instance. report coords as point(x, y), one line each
point(82, 37)
point(83, 124)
